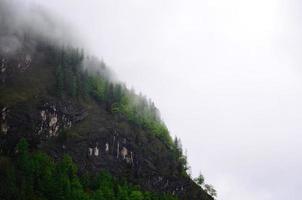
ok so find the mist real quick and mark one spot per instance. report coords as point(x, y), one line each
point(226, 76)
point(22, 21)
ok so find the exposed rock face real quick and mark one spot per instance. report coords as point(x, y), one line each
point(37, 122)
point(10, 66)
point(58, 117)
point(3, 68)
point(4, 126)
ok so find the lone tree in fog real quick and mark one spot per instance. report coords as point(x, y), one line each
point(200, 179)
point(207, 187)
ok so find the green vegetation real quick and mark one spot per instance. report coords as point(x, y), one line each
point(180, 157)
point(35, 176)
point(81, 77)
point(78, 76)
point(67, 74)
point(136, 108)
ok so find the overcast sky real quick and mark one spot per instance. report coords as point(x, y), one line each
point(225, 74)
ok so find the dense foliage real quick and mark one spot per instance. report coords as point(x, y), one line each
point(82, 78)
point(136, 108)
point(35, 176)
point(79, 76)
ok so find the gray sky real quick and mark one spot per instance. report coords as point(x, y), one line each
point(225, 74)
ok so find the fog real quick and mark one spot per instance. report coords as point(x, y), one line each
point(22, 21)
point(225, 75)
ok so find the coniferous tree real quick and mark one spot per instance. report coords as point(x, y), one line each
point(199, 180)
point(74, 86)
point(59, 80)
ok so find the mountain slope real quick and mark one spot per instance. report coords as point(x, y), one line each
point(66, 103)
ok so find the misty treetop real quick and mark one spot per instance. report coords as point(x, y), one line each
point(23, 26)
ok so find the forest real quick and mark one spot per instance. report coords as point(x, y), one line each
point(79, 76)
point(82, 77)
point(36, 176)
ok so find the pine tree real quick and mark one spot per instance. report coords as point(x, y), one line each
point(74, 86)
point(60, 80)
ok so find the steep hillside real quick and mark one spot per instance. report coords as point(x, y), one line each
point(63, 102)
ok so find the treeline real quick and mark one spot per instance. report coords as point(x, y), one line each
point(35, 176)
point(81, 77)
point(136, 108)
